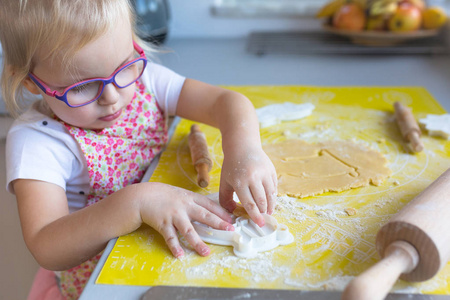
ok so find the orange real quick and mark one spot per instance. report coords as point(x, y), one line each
point(434, 17)
point(350, 17)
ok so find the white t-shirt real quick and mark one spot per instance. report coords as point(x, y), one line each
point(40, 148)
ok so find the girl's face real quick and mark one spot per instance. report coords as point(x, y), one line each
point(99, 58)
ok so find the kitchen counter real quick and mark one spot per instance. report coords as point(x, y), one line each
point(226, 62)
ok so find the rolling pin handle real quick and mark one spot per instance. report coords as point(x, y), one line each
point(200, 155)
point(408, 126)
point(376, 282)
point(195, 128)
point(416, 143)
point(202, 174)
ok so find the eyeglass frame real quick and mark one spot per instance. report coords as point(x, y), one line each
point(105, 80)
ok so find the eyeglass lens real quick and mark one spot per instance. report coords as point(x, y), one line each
point(86, 92)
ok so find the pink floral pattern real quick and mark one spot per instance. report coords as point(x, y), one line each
point(116, 157)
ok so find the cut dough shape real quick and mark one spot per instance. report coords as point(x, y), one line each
point(437, 125)
point(276, 113)
point(311, 169)
point(247, 239)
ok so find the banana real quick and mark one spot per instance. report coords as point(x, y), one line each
point(330, 8)
point(383, 7)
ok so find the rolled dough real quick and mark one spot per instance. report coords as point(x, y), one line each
point(437, 125)
point(276, 113)
point(311, 169)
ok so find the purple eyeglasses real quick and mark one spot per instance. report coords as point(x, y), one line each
point(87, 91)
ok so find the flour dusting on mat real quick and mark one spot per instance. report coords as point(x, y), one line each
point(331, 246)
point(332, 284)
point(258, 269)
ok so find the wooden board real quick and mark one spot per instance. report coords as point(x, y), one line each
point(377, 38)
point(330, 247)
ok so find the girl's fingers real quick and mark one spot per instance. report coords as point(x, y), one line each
point(275, 182)
point(226, 195)
point(217, 211)
point(170, 236)
point(204, 216)
point(259, 197)
point(271, 195)
point(187, 230)
point(245, 196)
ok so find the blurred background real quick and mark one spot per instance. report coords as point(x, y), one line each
point(257, 42)
point(268, 26)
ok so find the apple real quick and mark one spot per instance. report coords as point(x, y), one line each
point(407, 17)
point(420, 4)
point(349, 17)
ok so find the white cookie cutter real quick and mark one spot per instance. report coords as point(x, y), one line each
point(248, 238)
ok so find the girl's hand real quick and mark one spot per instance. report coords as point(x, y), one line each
point(246, 169)
point(252, 176)
point(173, 209)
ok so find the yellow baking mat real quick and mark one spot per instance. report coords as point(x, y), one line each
point(330, 247)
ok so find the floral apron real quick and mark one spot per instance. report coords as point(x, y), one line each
point(116, 157)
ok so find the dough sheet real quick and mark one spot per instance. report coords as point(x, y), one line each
point(333, 166)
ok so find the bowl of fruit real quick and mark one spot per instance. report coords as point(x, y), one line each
point(382, 22)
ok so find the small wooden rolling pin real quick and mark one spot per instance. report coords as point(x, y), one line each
point(200, 155)
point(408, 126)
point(415, 244)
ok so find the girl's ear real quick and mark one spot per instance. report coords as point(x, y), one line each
point(31, 86)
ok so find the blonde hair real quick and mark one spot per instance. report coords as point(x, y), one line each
point(61, 26)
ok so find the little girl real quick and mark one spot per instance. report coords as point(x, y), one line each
point(101, 119)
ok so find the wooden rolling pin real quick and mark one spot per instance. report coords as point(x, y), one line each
point(408, 126)
point(200, 155)
point(414, 244)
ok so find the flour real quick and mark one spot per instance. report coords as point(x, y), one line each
point(332, 284)
point(358, 227)
point(258, 269)
point(403, 287)
point(265, 267)
point(383, 201)
point(330, 214)
point(294, 210)
point(318, 134)
point(326, 230)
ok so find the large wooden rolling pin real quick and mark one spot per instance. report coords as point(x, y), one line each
point(414, 244)
point(200, 155)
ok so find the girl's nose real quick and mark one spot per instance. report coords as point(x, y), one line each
point(109, 96)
